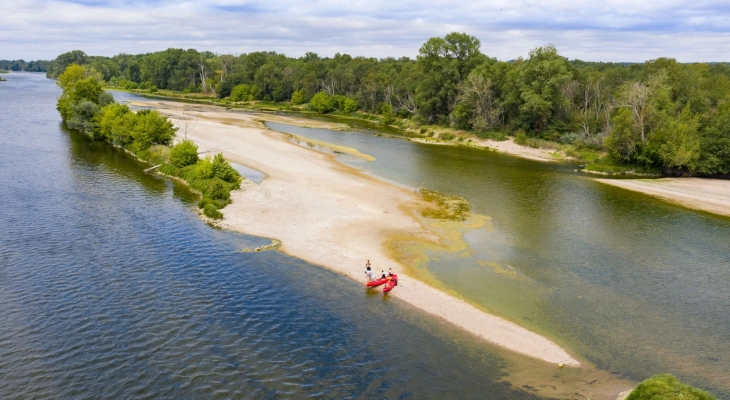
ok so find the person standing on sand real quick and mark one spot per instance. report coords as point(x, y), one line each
point(369, 273)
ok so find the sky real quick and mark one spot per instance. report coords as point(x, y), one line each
point(614, 30)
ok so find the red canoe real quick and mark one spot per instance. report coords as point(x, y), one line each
point(376, 282)
point(393, 282)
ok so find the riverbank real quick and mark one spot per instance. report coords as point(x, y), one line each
point(328, 214)
point(710, 195)
point(507, 146)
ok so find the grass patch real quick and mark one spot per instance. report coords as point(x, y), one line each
point(667, 387)
point(583, 153)
point(491, 135)
point(211, 211)
point(608, 167)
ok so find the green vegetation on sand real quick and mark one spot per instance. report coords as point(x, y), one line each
point(667, 387)
point(147, 134)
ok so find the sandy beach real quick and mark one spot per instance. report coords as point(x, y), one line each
point(710, 195)
point(336, 216)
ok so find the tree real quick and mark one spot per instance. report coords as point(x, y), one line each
point(444, 62)
point(539, 82)
point(184, 153)
point(297, 97)
point(322, 103)
point(150, 128)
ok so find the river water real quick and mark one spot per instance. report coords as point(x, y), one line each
point(111, 287)
point(629, 282)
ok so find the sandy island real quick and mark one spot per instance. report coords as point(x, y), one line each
point(337, 216)
point(710, 195)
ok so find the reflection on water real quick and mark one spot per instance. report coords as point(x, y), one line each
point(111, 287)
point(634, 284)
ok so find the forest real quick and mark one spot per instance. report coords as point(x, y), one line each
point(660, 113)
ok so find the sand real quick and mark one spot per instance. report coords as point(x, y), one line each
point(710, 195)
point(337, 216)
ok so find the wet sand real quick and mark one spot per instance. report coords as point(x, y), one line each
point(710, 195)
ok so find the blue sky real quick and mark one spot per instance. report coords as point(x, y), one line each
point(614, 30)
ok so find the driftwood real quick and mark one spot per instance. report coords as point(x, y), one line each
point(151, 168)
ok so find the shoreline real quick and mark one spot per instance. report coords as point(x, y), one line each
point(324, 212)
point(703, 194)
point(507, 146)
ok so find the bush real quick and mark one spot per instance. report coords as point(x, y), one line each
point(349, 106)
point(297, 97)
point(447, 136)
point(217, 190)
point(521, 137)
point(184, 153)
point(568, 138)
point(211, 211)
point(322, 103)
point(667, 387)
point(222, 170)
point(240, 92)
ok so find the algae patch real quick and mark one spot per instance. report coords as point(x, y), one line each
point(446, 207)
point(274, 245)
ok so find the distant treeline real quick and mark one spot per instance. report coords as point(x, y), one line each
point(660, 113)
point(22, 65)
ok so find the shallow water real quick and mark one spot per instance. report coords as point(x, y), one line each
point(111, 287)
point(634, 284)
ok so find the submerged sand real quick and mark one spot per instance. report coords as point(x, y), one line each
point(710, 195)
point(337, 216)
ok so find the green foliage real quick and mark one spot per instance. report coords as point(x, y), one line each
point(447, 136)
point(211, 211)
point(150, 127)
point(221, 169)
point(184, 153)
point(667, 387)
point(298, 97)
point(240, 92)
point(85, 106)
point(349, 105)
point(322, 103)
point(634, 112)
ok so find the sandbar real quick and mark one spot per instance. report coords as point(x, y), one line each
point(710, 195)
point(337, 216)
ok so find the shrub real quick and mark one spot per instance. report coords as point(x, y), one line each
point(568, 138)
point(211, 211)
point(521, 137)
point(349, 106)
point(667, 387)
point(447, 136)
point(240, 92)
point(217, 190)
point(184, 153)
point(321, 102)
point(222, 170)
point(297, 97)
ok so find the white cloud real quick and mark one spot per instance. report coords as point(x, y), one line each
point(614, 30)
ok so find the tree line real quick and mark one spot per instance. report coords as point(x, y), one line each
point(85, 106)
point(22, 65)
point(660, 113)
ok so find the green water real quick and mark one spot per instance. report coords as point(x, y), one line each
point(633, 284)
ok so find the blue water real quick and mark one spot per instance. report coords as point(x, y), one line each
point(111, 287)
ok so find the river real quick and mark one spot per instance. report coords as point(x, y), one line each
point(112, 287)
point(633, 284)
